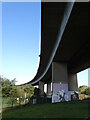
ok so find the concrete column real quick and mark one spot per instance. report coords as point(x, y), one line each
point(41, 87)
point(63, 83)
point(59, 72)
point(48, 88)
point(73, 84)
point(59, 82)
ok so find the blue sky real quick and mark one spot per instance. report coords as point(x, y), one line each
point(21, 34)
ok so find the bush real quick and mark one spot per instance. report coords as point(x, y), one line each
point(84, 90)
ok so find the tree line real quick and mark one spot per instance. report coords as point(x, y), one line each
point(20, 93)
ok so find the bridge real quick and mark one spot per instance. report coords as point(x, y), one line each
point(64, 48)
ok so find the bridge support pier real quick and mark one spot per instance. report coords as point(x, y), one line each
point(63, 83)
point(48, 88)
point(72, 83)
point(41, 87)
point(59, 81)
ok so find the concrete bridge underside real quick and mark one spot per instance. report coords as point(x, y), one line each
point(72, 54)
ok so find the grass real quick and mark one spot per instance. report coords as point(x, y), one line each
point(7, 102)
point(78, 109)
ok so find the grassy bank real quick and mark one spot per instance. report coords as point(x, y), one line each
point(78, 109)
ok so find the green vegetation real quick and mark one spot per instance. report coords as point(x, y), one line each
point(7, 102)
point(13, 95)
point(84, 90)
point(74, 109)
